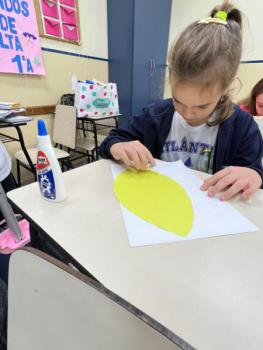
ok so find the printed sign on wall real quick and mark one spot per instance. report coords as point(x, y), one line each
point(20, 50)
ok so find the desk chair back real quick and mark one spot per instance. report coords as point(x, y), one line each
point(64, 134)
point(64, 131)
point(51, 306)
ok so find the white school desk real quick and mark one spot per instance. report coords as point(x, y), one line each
point(207, 291)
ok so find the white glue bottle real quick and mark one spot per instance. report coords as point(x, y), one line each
point(49, 174)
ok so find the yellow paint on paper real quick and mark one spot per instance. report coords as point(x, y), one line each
point(157, 199)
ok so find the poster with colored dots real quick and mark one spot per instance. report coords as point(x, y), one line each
point(96, 99)
point(20, 50)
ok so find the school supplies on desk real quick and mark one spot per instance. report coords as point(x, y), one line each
point(166, 205)
point(9, 105)
point(49, 175)
point(17, 119)
point(5, 113)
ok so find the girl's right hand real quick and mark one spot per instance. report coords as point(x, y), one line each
point(133, 153)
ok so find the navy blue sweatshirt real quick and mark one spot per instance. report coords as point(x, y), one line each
point(239, 141)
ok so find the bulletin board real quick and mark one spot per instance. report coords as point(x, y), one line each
point(59, 20)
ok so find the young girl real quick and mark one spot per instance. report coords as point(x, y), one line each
point(254, 104)
point(199, 125)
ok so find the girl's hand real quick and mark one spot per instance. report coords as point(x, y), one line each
point(231, 181)
point(133, 153)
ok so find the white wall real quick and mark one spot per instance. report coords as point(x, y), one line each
point(187, 11)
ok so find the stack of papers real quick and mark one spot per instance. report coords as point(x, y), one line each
point(17, 119)
point(8, 109)
point(9, 105)
point(5, 113)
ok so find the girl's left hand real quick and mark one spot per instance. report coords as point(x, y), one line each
point(231, 181)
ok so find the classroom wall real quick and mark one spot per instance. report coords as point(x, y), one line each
point(187, 11)
point(60, 67)
point(46, 90)
point(43, 90)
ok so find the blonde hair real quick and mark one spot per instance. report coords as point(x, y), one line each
point(209, 53)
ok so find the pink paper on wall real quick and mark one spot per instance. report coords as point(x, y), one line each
point(20, 50)
point(68, 15)
point(70, 32)
point(50, 9)
point(52, 27)
point(71, 3)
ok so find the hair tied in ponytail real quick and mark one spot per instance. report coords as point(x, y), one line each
point(220, 18)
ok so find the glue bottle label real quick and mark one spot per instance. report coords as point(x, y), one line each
point(45, 176)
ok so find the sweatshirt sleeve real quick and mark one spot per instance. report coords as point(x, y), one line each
point(131, 130)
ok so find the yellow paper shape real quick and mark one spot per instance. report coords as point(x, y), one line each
point(157, 199)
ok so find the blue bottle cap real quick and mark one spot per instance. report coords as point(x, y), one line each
point(42, 131)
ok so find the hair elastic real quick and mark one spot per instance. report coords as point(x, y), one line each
point(221, 15)
point(220, 18)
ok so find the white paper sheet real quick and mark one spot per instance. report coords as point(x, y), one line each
point(212, 217)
